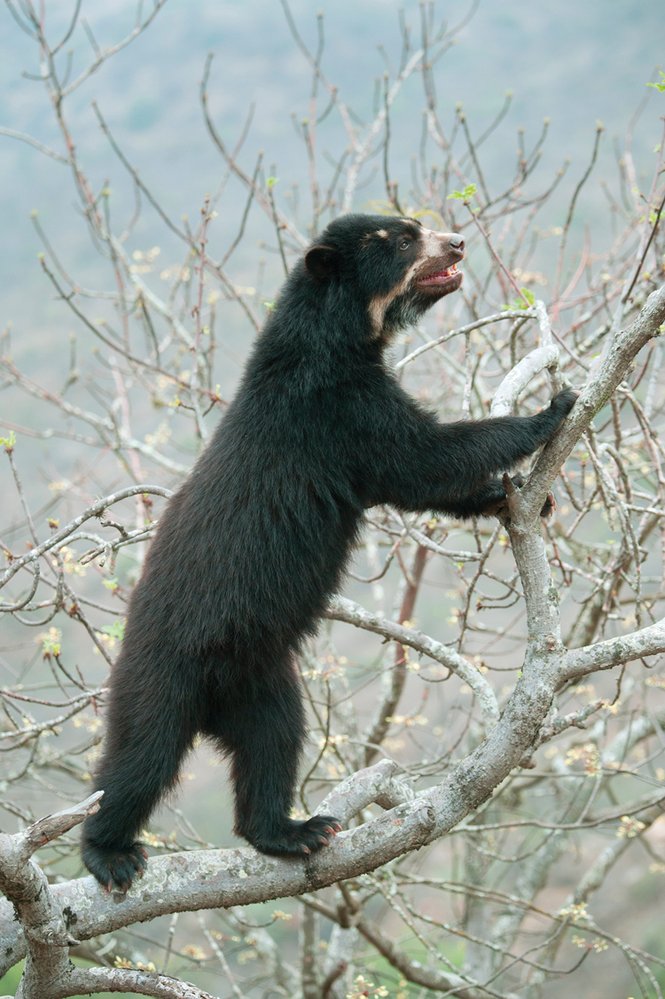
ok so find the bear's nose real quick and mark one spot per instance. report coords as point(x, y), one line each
point(456, 241)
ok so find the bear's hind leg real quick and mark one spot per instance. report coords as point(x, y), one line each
point(260, 723)
point(152, 719)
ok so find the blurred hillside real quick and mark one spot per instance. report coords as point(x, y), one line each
point(574, 63)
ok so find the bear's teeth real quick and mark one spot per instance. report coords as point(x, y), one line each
point(441, 275)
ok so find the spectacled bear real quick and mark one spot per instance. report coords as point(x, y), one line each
point(251, 546)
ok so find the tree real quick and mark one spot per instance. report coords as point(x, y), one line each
point(547, 736)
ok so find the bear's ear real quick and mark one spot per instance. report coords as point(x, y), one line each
point(322, 261)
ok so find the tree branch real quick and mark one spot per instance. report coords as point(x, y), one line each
point(342, 609)
point(649, 641)
point(603, 380)
point(94, 510)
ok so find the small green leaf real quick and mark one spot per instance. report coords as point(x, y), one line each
point(465, 195)
point(51, 643)
point(115, 630)
point(659, 84)
point(271, 181)
point(525, 302)
point(8, 442)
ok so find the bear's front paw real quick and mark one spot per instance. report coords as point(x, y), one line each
point(563, 402)
point(499, 507)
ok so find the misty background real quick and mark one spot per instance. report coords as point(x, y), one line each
point(570, 62)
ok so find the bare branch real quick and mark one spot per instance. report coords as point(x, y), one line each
point(92, 511)
point(649, 641)
point(342, 609)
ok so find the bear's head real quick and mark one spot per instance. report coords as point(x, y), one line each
point(397, 266)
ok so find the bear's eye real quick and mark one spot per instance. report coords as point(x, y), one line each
point(404, 243)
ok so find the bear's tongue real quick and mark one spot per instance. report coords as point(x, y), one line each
point(439, 276)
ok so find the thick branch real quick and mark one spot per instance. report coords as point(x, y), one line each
point(205, 879)
point(85, 981)
point(543, 617)
point(46, 930)
point(522, 375)
point(51, 826)
point(604, 378)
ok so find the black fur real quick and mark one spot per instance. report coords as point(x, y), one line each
point(253, 544)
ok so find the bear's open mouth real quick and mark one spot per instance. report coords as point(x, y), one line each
point(447, 277)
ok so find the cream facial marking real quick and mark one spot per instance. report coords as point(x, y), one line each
point(432, 241)
point(436, 263)
point(377, 312)
point(379, 305)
